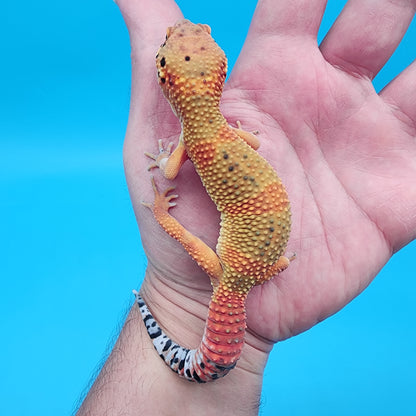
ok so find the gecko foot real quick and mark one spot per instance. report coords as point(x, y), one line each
point(255, 132)
point(162, 200)
point(161, 156)
point(249, 138)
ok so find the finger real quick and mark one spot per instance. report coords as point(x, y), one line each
point(279, 29)
point(147, 21)
point(401, 94)
point(282, 17)
point(366, 34)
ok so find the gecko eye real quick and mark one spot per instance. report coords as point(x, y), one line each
point(187, 58)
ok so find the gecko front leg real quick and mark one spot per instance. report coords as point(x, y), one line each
point(168, 163)
point(161, 157)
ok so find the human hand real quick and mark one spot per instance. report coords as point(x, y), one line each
point(346, 155)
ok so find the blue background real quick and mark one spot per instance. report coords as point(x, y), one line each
point(70, 248)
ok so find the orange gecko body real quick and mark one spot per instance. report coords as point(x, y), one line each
point(254, 206)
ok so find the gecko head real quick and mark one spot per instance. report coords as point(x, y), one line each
point(190, 64)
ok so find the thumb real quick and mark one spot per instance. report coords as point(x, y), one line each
point(146, 23)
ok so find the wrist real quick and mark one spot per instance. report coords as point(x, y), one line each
point(183, 320)
point(136, 380)
point(181, 314)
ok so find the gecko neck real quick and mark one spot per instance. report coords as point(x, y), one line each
point(203, 120)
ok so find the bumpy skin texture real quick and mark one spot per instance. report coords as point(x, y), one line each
point(254, 206)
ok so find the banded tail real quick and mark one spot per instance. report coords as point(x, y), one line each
point(220, 347)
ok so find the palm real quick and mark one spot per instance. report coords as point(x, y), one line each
point(347, 164)
point(346, 157)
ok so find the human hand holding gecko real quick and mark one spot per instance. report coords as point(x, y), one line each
point(346, 154)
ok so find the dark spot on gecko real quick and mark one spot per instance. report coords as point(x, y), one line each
point(163, 62)
point(271, 229)
point(245, 156)
point(157, 334)
point(162, 80)
point(245, 177)
point(225, 156)
point(224, 181)
point(196, 377)
point(187, 58)
point(202, 48)
point(222, 368)
point(202, 74)
point(167, 345)
point(267, 243)
point(230, 168)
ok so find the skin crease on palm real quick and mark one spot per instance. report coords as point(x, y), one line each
point(346, 155)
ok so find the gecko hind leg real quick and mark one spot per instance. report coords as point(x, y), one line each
point(206, 258)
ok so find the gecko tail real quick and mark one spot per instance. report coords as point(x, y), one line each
point(218, 352)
